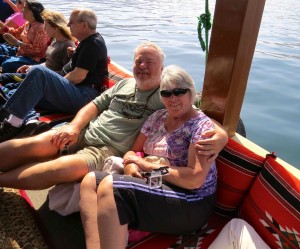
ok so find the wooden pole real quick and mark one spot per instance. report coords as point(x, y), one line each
point(233, 39)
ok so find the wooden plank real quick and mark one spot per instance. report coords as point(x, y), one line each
point(235, 29)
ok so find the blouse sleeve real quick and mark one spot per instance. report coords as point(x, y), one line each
point(39, 44)
point(17, 32)
point(152, 122)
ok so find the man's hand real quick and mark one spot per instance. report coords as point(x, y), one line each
point(65, 135)
point(23, 69)
point(211, 146)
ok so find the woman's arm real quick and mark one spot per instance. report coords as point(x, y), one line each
point(131, 160)
point(193, 175)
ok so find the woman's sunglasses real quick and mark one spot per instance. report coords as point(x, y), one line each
point(175, 92)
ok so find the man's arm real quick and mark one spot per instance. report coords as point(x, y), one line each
point(77, 75)
point(214, 143)
point(69, 134)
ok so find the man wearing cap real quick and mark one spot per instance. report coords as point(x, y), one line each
point(51, 91)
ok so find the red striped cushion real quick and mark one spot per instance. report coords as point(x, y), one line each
point(237, 169)
point(115, 74)
point(272, 206)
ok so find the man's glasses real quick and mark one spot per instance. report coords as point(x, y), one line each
point(175, 92)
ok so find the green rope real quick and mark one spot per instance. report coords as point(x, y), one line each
point(204, 23)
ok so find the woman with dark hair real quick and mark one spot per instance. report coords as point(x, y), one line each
point(29, 42)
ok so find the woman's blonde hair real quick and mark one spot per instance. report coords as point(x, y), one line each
point(57, 20)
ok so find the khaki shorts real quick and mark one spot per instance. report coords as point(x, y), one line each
point(93, 155)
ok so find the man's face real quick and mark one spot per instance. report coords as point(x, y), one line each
point(75, 26)
point(147, 68)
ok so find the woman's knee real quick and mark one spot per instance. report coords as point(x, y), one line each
point(88, 182)
point(105, 187)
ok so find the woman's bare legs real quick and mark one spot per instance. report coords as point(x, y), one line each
point(111, 233)
point(88, 211)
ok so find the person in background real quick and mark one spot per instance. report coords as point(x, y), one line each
point(28, 42)
point(15, 20)
point(5, 11)
point(185, 199)
point(105, 127)
point(44, 88)
point(56, 55)
point(238, 234)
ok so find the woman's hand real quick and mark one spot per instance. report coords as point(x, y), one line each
point(65, 135)
point(140, 162)
point(70, 51)
point(132, 170)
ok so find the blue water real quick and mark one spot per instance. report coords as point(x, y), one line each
point(272, 102)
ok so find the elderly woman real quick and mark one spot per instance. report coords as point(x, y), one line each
point(185, 199)
point(29, 41)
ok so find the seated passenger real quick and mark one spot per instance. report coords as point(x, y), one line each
point(238, 234)
point(48, 90)
point(16, 19)
point(5, 11)
point(56, 54)
point(105, 127)
point(186, 197)
point(29, 42)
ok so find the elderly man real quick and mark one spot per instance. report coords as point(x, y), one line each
point(48, 90)
point(105, 127)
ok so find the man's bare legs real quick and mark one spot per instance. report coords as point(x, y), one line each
point(31, 163)
point(16, 152)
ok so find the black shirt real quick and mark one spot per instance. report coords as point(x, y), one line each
point(90, 54)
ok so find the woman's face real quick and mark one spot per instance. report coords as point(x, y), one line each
point(50, 30)
point(27, 13)
point(177, 104)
